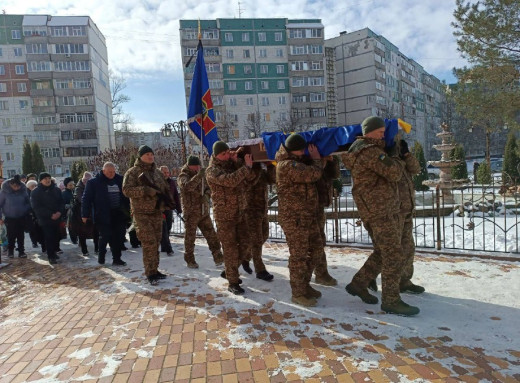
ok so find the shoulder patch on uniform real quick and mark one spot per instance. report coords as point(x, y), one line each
point(295, 164)
point(385, 159)
point(382, 157)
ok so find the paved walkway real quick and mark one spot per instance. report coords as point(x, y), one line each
point(79, 321)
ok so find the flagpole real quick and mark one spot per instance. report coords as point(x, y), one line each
point(201, 131)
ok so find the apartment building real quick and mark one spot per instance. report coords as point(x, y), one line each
point(264, 74)
point(54, 89)
point(374, 78)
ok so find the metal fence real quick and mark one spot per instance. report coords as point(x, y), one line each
point(482, 218)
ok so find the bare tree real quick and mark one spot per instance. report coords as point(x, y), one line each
point(122, 121)
point(255, 125)
point(288, 125)
point(225, 128)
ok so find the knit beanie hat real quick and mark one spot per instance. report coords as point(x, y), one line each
point(31, 175)
point(143, 149)
point(67, 180)
point(370, 124)
point(15, 180)
point(193, 160)
point(295, 142)
point(43, 175)
point(219, 147)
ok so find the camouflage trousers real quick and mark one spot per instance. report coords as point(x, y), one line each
point(190, 232)
point(320, 268)
point(258, 225)
point(233, 236)
point(387, 257)
point(408, 246)
point(305, 247)
point(148, 228)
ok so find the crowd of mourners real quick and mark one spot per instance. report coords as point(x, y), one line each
point(106, 206)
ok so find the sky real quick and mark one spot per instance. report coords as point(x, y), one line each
point(144, 44)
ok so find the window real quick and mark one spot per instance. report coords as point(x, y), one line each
point(228, 37)
point(281, 84)
point(4, 105)
point(249, 101)
point(299, 65)
point(2, 70)
point(84, 100)
point(316, 97)
point(77, 31)
point(264, 69)
point(267, 117)
point(297, 49)
point(5, 122)
point(279, 52)
point(316, 81)
point(245, 36)
point(36, 48)
point(19, 69)
point(39, 66)
point(190, 51)
point(8, 140)
point(264, 84)
point(231, 69)
point(380, 86)
point(16, 34)
point(317, 65)
point(233, 101)
point(232, 85)
point(1, 53)
point(318, 112)
point(18, 52)
point(247, 54)
point(3, 87)
point(281, 100)
point(313, 32)
point(9, 156)
point(278, 36)
point(280, 69)
point(210, 34)
point(296, 33)
point(24, 104)
point(44, 120)
point(262, 53)
point(215, 84)
point(298, 81)
point(283, 116)
point(299, 98)
point(218, 100)
point(218, 116)
point(261, 36)
point(190, 34)
point(229, 53)
point(249, 85)
point(247, 69)
point(71, 118)
point(316, 49)
point(213, 67)
point(66, 101)
point(265, 101)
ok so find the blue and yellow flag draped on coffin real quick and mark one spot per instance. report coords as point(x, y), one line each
point(201, 117)
point(330, 140)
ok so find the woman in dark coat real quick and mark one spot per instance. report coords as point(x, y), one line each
point(84, 231)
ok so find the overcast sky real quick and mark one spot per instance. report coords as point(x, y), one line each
point(144, 46)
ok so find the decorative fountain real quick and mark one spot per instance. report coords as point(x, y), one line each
point(445, 165)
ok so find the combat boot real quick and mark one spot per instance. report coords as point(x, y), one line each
point(325, 280)
point(409, 287)
point(265, 275)
point(223, 275)
point(246, 267)
point(311, 292)
point(218, 258)
point(304, 301)
point(362, 293)
point(400, 308)
point(373, 285)
point(236, 289)
point(192, 265)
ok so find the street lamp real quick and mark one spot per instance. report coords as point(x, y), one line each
point(180, 128)
point(166, 130)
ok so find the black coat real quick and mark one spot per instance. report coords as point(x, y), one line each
point(46, 201)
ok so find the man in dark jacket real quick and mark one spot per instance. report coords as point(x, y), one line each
point(166, 246)
point(68, 196)
point(48, 206)
point(104, 197)
point(14, 207)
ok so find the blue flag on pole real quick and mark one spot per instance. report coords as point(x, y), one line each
point(201, 117)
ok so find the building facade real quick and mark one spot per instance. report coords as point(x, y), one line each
point(54, 89)
point(374, 78)
point(264, 74)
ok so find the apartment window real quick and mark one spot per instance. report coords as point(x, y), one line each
point(249, 85)
point(2, 70)
point(296, 33)
point(5, 122)
point(261, 36)
point(77, 31)
point(299, 65)
point(66, 101)
point(190, 51)
point(267, 117)
point(19, 69)
point(210, 34)
point(279, 52)
point(218, 116)
point(70, 118)
point(229, 53)
point(280, 69)
point(262, 53)
point(317, 65)
point(4, 105)
point(16, 34)
point(282, 100)
point(230, 69)
point(297, 49)
point(213, 67)
point(218, 100)
point(298, 81)
point(264, 84)
point(380, 86)
point(280, 84)
point(247, 69)
point(232, 85)
point(39, 66)
point(316, 49)
point(1, 52)
point(247, 53)
point(264, 69)
point(24, 104)
point(316, 97)
point(215, 84)
point(190, 34)
point(18, 52)
point(233, 101)
point(9, 156)
point(3, 87)
point(283, 116)
point(84, 100)
point(245, 36)
point(316, 81)
point(249, 101)
point(8, 140)
point(265, 101)
point(36, 48)
point(44, 120)
point(228, 37)
point(278, 36)
point(299, 98)
point(313, 32)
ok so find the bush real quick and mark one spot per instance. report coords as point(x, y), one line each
point(418, 152)
point(460, 171)
point(511, 161)
point(484, 173)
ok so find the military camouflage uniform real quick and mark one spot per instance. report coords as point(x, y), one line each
point(375, 176)
point(196, 213)
point(256, 213)
point(297, 213)
point(407, 198)
point(147, 215)
point(324, 184)
point(227, 181)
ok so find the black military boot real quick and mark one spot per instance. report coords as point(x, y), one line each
point(373, 285)
point(265, 275)
point(400, 308)
point(236, 289)
point(223, 275)
point(362, 293)
point(409, 287)
point(246, 267)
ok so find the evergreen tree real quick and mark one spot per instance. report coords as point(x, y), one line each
point(460, 171)
point(418, 152)
point(77, 169)
point(511, 161)
point(27, 161)
point(37, 159)
point(484, 173)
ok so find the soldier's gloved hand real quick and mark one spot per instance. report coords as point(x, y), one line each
point(392, 151)
point(149, 191)
point(202, 172)
point(403, 148)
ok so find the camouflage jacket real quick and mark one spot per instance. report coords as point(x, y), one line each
point(296, 180)
point(374, 176)
point(405, 184)
point(330, 172)
point(192, 199)
point(256, 192)
point(227, 181)
point(141, 203)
